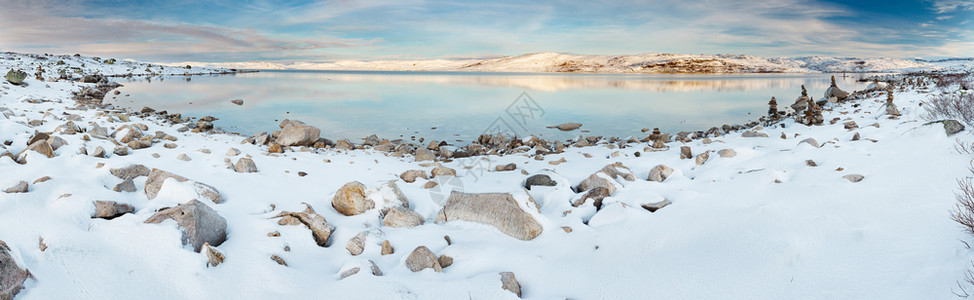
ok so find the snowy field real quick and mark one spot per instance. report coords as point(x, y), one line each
point(760, 224)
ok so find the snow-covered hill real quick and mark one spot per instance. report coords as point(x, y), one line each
point(639, 63)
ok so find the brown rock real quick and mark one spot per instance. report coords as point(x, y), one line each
point(509, 282)
point(498, 209)
point(320, 229)
point(410, 176)
point(387, 248)
point(200, 223)
point(422, 258)
point(350, 199)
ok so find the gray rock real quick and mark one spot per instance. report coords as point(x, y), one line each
point(953, 127)
point(567, 126)
point(158, 177)
point(121, 151)
point(111, 209)
point(811, 163)
point(702, 158)
point(507, 167)
point(296, 133)
point(126, 186)
point(498, 209)
point(12, 277)
point(320, 229)
point(130, 172)
point(245, 165)
point(357, 244)
point(540, 180)
point(183, 157)
point(752, 133)
point(237, 101)
point(344, 145)
point(727, 153)
point(445, 261)
point(422, 258)
point(594, 181)
point(660, 173)
point(811, 141)
point(349, 272)
point(233, 152)
point(423, 154)
point(56, 142)
point(20, 187)
point(854, 177)
point(509, 282)
point(99, 152)
point(401, 216)
point(410, 175)
point(850, 125)
point(200, 223)
point(597, 194)
point(350, 199)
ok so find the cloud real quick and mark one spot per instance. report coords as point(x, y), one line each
point(947, 6)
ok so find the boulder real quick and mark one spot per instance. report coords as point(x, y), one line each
point(539, 180)
point(56, 142)
point(159, 177)
point(200, 223)
point(20, 187)
point(422, 258)
point(320, 229)
point(392, 196)
point(653, 207)
point(111, 209)
point(126, 186)
point(659, 173)
point(296, 133)
point(854, 177)
point(952, 127)
point(685, 152)
point(410, 175)
point(41, 147)
point(702, 158)
point(423, 154)
point(12, 277)
point(834, 91)
point(566, 126)
point(598, 179)
point(597, 194)
point(130, 172)
point(500, 210)
point(443, 171)
point(727, 153)
point(245, 165)
point(357, 244)
point(509, 282)
point(401, 216)
point(350, 199)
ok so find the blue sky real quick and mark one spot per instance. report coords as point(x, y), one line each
point(300, 30)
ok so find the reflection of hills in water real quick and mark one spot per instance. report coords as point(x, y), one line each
point(549, 83)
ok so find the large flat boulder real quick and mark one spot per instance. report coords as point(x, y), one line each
point(200, 223)
point(500, 210)
point(297, 133)
point(12, 277)
point(157, 178)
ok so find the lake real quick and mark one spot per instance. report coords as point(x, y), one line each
point(455, 106)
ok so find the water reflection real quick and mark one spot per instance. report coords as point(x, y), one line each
point(462, 105)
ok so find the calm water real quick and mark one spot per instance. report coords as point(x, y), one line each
point(463, 105)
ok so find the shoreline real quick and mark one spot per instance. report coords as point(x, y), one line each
point(789, 215)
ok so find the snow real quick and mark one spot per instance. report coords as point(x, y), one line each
point(638, 63)
point(731, 231)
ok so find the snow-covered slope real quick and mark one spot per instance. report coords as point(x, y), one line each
point(639, 63)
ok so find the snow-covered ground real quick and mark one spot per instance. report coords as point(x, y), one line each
point(762, 224)
point(639, 63)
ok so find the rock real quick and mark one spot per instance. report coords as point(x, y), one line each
point(245, 165)
point(810, 141)
point(344, 145)
point(213, 256)
point(237, 101)
point(170, 145)
point(121, 151)
point(443, 171)
point(685, 152)
point(200, 223)
point(158, 177)
point(56, 142)
point(130, 172)
point(296, 133)
point(42, 179)
point(597, 194)
point(856, 137)
point(727, 153)
point(423, 154)
point(375, 269)
point(752, 133)
point(350, 199)
point(430, 184)
point(233, 152)
point(567, 126)
point(702, 158)
point(445, 261)
point(99, 152)
point(279, 260)
point(892, 110)
point(387, 248)
point(659, 173)
point(594, 181)
point(507, 167)
point(401, 216)
point(41, 147)
point(356, 245)
point(509, 282)
point(539, 180)
point(126, 133)
point(952, 127)
point(498, 209)
point(139, 144)
point(275, 148)
point(20, 187)
point(126, 186)
point(183, 157)
point(320, 229)
point(410, 175)
point(111, 209)
point(349, 273)
point(12, 277)
point(811, 163)
point(392, 195)
point(422, 258)
point(854, 177)
point(653, 207)
point(850, 125)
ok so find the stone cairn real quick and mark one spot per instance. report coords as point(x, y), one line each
point(773, 109)
point(890, 106)
point(657, 139)
point(813, 113)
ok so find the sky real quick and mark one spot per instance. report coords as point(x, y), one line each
point(331, 30)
